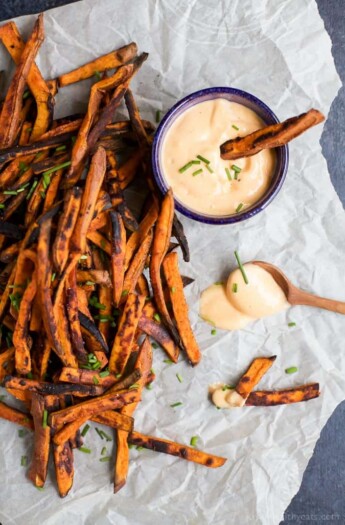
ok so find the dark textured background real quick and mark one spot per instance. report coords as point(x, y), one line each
point(321, 498)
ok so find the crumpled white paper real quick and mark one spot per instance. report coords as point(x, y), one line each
point(281, 53)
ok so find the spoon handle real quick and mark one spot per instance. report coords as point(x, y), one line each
point(309, 299)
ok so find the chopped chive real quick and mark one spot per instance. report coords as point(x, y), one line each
point(99, 432)
point(194, 441)
point(34, 184)
point(24, 461)
point(58, 167)
point(213, 331)
point(105, 373)
point(10, 192)
point(157, 317)
point(46, 180)
point(240, 265)
point(139, 447)
point(208, 167)
point(26, 94)
point(42, 194)
point(106, 458)
point(23, 167)
point(226, 387)
point(130, 445)
point(218, 283)
point(85, 450)
point(135, 385)
point(239, 207)
point(197, 172)
point(179, 377)
point(90, 283)
point(186, 167)
point(177, 404)
point(41, 489)
point(154, 345)
point(291, 324)
point(45, 419)
point(60, 148)
point(118, 376)
point(207, 320)
point(124, 293)
point(22, 432)
point(73, 139)
point(196, 161)
point(2, 206)
point(96, 365)
point(291, 370)
point(85, 430)
point(200, 157)
point(235, 127)
point(173, 289)
point(228, 174)
point(152, 371)
point(98, 75)
point(236, 169)
point(149, 386)
point(168, 361)
point(95, 380)
point(106, 436)
point(103, 451)
point(158, 115)
point(82, 257)
point(53, 277)
point(15, 299)
point(234, 287)
point(235, 175)
point(29, 375)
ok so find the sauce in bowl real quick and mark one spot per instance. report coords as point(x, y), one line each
point(191, 163)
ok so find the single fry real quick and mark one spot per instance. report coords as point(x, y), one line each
point(21, 339)
point(249, 380)
point(16, 416)
point(118, 246)
point(39, 465)
point(66, 225)
point(283, 397)
point(272, 136)
point(180, 307)
point(63, 459)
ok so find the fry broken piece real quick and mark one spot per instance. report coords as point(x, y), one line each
point(272, 136)
point(258, 368)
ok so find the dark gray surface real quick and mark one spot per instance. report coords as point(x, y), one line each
point(321, 498)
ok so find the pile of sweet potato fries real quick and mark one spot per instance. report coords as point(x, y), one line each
point(75, 306)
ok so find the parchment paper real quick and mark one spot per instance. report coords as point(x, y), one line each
point(280, 52)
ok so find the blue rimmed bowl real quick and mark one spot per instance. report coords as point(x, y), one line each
point(233, 95)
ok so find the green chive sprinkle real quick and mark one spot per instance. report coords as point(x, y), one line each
point(106, 458)
point(235, 127)
point(42, 194)
point(106, 436)
point(178, 404)
point(98, 75)
point(105, 373)
point(168, 361)
point(99, 432)
point(291, 370)
point(179, 377)
point(45, 419)
point(235, 175)
point(194, 441)
point(152, 371)
point(291, 324)
point(173, 289)
point(10, 192)
point(58, 167)
point(118, 376)
point(85, 430)
point(149, 386)
point(213, 331)
point(158, 115)
point(218, 283)
point(196, 161)
point(186, 167)
point(197, 172)
point(234, 287)
point(209, 168)
point(157, 317)
point(22, 432)
point(23, 167)
point(53, 277)
point(139, 447)
point(240, 265)
point(124, 293)
point(85, 450)
point(24, 461)
point(82, 257)
point(29, 375)
point(95, 380)
point(239, 207)
point(200, 157)
point(130, 445)
point(26, 94)
point(228, 174)
point(41, 489)
point(46, 180)
point(90, 283)
point(34, 184)
point(2, 206)
point(226, 387)
point(154, 345)
point(103, 451)
point(61, 148)
point(135, 385)
point(236, 169)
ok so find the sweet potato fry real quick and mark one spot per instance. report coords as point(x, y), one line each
point(136, 122)
point(114, 419)
point(272, 136)
point(127, 171)
point(12, 105)
point(118, 246)
point(116, 58)
point(73, 317)
point(117, 197)
point(124, 338)
point(38, 469)
point(87, 377)
point(137, 264)
point(6, 362)
point(56, 389)
point(99, 240)
point(44, 98)
point(180, 307)
point(21, 339)
point(161, 335)
point(160, 247)
point(248, 381)
point(16, 416)
point(88, 409)
point(94, 340)
point(93, 184)
point(283, 397)
point(63, 459)
point(96, 276)
point(178, 233)
point(66, 225)
point(138, 236)
point(143, 286)
point(175, 449)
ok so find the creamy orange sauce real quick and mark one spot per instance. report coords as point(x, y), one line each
point(235, 304)
point(200, 130)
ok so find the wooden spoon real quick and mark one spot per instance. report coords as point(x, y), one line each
point(297, 296)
